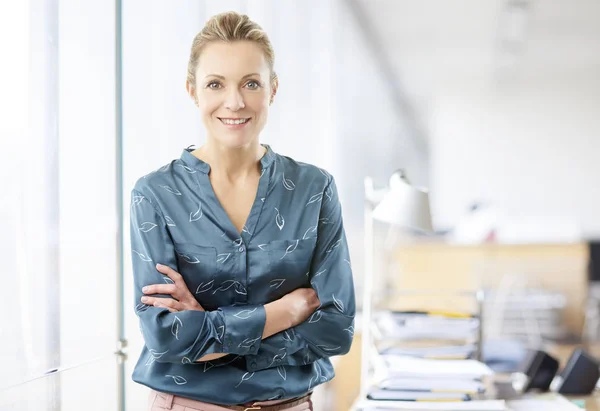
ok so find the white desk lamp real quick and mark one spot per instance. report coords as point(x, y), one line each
point(401, 205)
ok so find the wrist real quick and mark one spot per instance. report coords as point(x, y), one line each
point(278, 318)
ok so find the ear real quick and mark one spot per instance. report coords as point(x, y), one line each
point(191, 90)
point(274, 87)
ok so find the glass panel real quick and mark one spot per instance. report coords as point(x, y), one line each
point(89, 387)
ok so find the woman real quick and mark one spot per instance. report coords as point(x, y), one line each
point(242, 274)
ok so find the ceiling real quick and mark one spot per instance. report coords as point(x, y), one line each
point(434, 44)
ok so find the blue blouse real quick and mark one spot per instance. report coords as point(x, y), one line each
point(293, 237)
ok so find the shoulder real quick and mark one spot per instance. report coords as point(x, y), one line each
point(164, 178)
point(309, 174)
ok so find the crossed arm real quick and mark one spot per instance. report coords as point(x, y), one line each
point(289, 311)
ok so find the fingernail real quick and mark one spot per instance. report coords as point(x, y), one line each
point(144, 299)
point(145, 289)
point(159, 265)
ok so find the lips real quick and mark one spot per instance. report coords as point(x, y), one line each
point(234, 121)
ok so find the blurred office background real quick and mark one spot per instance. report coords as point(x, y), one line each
point(495, 106)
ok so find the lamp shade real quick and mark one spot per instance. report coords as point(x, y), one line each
point(404, 205)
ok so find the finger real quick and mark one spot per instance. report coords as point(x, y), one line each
point(170, 289)
point(155, 301)
point(165, 269)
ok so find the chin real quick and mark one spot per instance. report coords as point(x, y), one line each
point(237, 141)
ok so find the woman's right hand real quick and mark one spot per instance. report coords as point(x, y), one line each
point(301, 304)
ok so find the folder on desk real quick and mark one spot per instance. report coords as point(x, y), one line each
point(432, 385)
point(416, 396)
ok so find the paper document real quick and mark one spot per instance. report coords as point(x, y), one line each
point(491, 405)
point(402, 366)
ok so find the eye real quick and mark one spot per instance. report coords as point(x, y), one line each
point(214, 85)
point(253, 84)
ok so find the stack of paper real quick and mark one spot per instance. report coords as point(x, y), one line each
point(412, 379)
point(410, 367)
point(491, 405)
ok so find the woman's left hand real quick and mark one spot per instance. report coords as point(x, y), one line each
point(182, 297)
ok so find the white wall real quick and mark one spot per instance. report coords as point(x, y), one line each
point(530, 149)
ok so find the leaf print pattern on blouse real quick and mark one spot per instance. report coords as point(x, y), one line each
point(221, 258)
point(179, 380)
point(244, 314)
point(141, 307)
point(168, 280)
point(225, 285)
point(290, 249)
point(334, 246)
point(287, 336)
point(281, 371)
point(317, 376)
point(247, 343)
point(136, 200)
point(315, 198)
point(186, 360)
point(191, 259)
point(245, 377)
point(288, 184)
point(276, 283)
point(177, 324)
point(240, 289)
point(170, 221)
point(187, 169)
point(204, 287)
point(279, 220)
point(320, 272)
point(350, 330)
point(329, 193)
point(143, 257)
point(196, 215)
point(338, 304)
point(171, 190)
point(278, 357)
point(147, 226)
point(315, 317)
point(155, 355)
point(310, 233)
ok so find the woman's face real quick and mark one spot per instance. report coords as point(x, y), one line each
point(233, 91)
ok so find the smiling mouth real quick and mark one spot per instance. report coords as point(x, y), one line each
point(234, 121)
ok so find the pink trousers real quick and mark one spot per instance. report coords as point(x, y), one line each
point(158, 401)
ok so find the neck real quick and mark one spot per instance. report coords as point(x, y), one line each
point(231, 163)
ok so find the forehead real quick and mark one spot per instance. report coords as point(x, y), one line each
point(232, 59)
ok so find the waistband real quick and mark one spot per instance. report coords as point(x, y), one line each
point(292, 404)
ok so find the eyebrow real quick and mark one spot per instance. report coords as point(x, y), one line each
point(223, 78)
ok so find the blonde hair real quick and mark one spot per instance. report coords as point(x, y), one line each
point(229, 27)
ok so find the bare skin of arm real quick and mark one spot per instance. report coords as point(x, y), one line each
point(288, 311)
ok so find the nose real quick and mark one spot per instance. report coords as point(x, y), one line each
point(234, 100)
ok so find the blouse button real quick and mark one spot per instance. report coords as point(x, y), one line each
point(241, 249)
